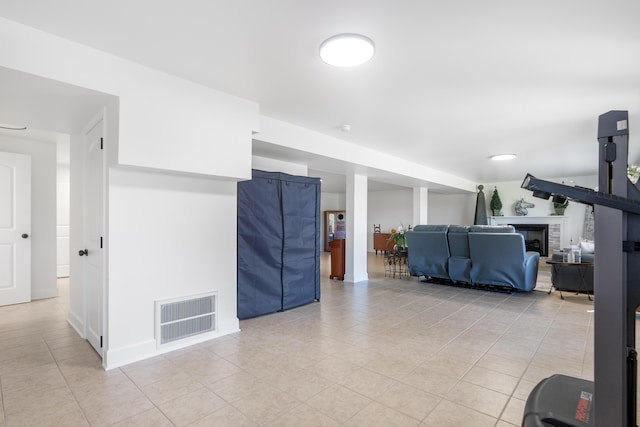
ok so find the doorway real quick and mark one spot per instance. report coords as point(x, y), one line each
point(333, 224)
point(51, 110)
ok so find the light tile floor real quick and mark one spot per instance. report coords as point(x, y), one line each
point(388, 352)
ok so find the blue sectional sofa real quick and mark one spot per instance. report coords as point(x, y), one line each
point(480, 256)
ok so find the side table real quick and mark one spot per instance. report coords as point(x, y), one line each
point(581, 268)
point(396, 263)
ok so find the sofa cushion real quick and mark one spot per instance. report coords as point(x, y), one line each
point(428, 253)
point(459, 262)
point(459, 241)
point(501, 259)
point(558, 256)
point(458, 229)
point(587, 246)
point(430, 227)
point(492, 229)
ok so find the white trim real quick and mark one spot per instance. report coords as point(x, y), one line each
point(42, 294)
point(114, 358)
point(76, 323)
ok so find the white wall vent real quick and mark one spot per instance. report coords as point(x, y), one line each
point(182, 318)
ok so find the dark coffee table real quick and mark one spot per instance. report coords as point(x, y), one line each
point(580, 266)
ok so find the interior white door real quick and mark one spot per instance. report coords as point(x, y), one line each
point(15, 228)
point(92, 252)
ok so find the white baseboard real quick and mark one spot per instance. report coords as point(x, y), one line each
point(353, 279)
point(76, 323)
point(114, 358)
point(44, 293)
point(63, 271)
point(125, 355)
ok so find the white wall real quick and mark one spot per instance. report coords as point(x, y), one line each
point(288, 135)
point(510, 192)
point(333, 201)
point(185, 244)
point(387, 208)
point(273, 165)
point(395, 207)
point(43, 211)
point(167, 124)
point(164, 123)
point(460, 208)
point(390, 209)
point(456, 209)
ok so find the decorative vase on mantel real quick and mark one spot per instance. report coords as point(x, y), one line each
point(559, 208)
point(497, 212)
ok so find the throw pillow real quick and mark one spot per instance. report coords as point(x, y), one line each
point(587, 246)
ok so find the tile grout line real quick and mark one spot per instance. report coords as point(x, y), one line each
point(75, 399)
point(531, 359)
point(498, 418)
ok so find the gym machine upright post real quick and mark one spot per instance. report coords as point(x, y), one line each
point(610, 400)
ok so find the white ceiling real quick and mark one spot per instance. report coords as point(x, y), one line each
point(451, 82)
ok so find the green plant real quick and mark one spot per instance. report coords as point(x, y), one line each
point(495, 204)
point(633, 172)
point(399, 237)
point(561, 205)
point(559, 208)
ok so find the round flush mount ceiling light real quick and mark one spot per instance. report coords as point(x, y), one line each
point(347, 50)
point(500, 157)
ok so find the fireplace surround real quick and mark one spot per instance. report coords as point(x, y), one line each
point(536, 237)
point(557, 231)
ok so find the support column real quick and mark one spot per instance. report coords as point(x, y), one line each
point(614, 317)
point(356, 244)
point(420, 204)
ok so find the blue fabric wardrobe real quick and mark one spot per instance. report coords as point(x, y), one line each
point(278, 242)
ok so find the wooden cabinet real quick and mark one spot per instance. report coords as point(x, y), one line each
point(337, 259)
point(381, 242)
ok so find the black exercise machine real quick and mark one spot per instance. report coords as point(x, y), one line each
point(609, 400)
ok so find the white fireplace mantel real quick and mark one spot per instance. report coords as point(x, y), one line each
point(526, 219)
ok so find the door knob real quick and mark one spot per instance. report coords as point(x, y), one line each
point(24, 235)
point(83, 252)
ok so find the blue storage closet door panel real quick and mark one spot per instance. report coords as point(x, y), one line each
point(259, 247)
point(300, 256)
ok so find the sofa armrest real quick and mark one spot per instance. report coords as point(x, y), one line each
point(531, 261)
point(531, 256)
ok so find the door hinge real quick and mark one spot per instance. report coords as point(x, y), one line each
point(101, 143)
point(100, 242)
point(100, 341)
